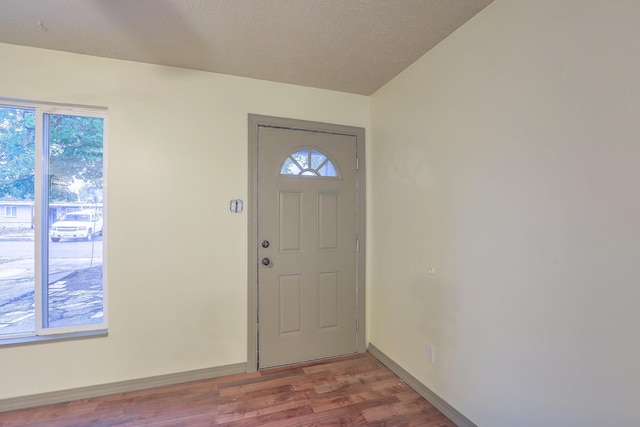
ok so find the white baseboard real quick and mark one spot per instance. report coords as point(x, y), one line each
point(50, 398)
point(448, 410)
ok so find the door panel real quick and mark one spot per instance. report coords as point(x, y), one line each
point(328, 291)
point(307, 304)
point(290, 220)
point(328, 221)
point(289, 307)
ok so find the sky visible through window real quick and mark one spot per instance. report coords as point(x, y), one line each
point(308, 163)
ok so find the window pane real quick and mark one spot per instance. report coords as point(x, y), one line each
point(17, 180)
point(317, 159)
point(328, 170)
point(289, 168)
point(75, 186)
point(302, 157)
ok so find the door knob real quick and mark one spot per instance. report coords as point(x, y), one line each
point(266, 261)
point(265, 244)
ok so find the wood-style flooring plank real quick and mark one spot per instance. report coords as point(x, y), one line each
point(344, 391)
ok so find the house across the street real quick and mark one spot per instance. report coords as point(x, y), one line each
point(19, 214)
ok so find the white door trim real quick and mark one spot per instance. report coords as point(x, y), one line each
point(255, 121)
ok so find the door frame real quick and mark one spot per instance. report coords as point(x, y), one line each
point(255, 121)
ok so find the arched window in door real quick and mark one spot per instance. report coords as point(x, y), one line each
point(308, 162)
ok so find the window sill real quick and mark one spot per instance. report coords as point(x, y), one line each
point(33, 339)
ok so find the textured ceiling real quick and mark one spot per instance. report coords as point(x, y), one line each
point(345, 45)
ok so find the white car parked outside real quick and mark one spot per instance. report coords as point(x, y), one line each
point(77, 225)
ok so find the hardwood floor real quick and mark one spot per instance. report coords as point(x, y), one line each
point(350, 390)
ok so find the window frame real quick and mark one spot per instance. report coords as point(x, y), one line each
point(314, 174)
point(43, 332)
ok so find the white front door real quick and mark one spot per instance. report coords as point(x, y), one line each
point(307, 245)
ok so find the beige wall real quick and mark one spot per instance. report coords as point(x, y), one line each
point(508, 158)
point(177, 153)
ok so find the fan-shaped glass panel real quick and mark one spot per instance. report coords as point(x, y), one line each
point(308, 163)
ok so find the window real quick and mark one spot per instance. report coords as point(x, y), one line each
point(308, 163)
point(11, 211)
point(52, 163)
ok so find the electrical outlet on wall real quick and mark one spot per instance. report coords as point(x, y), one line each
point(431, 353)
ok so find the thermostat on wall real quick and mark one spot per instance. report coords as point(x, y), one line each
point(235, 206)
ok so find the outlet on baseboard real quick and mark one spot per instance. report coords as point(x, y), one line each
point(431, 353)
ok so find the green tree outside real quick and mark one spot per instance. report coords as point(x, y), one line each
point(75, 154)
point(17, 153)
